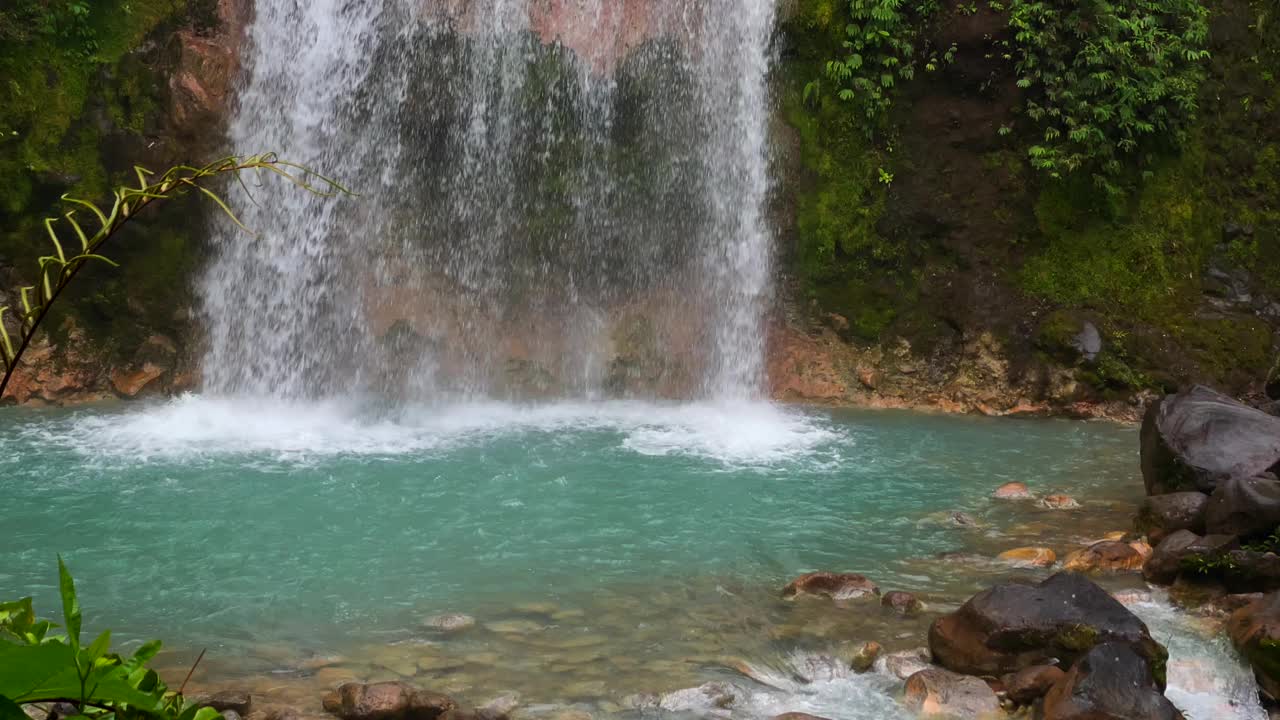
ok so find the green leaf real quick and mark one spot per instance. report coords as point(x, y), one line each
point(98, 648)
point(39, 673)
point(9, 710)
point(70, 604)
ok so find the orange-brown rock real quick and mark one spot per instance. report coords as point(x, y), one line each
point(1012, 491)
point(1038, 557)
point(1106, 556)
point(935, 692)
point(837, 586)
point(800, 369)
point(1030, 684)
point(1059, 502)
point(131, 383)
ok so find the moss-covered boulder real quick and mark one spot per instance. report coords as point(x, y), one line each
point(1010, 627)
point(1255, 631)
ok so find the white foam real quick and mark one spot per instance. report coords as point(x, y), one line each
point(193, 426)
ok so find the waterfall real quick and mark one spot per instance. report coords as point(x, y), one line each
point(557, 198)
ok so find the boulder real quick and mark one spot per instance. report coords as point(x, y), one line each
point(386, 701)
point(1030, 684)
point(1105, 556)
point(1197, 438)
point(1245, 570)
point(1012, 491)
point(1164, 514)
point(1255, 631)
point(1245, 507)
point(938, 692)
point(1059, 502)
point(1036, 557)
point(903, 603)
point(837, 586)
point(1184, 550)
point(1110, 682)
point(1012, 626)
point(223, 701)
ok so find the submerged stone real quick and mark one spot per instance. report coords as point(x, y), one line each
point(837, 586)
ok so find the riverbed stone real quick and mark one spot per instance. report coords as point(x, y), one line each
point(1106, 556)
point(903, 603)
point(863, 657)
point(1161, 515)
point(1059, 501)
point(1031, 683)
point(1255, 631)
point(1013, 626)
point(904, 663)
point(837, 586)
point(386, 701)
point(1032, 557)
point(1111, 681)
point(239, 701)
point(1012, 491)
point(934, 692)
point(1245, 507)
point(1197, 438)
point(450, 622)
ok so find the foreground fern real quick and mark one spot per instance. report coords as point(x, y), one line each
point(56, 271)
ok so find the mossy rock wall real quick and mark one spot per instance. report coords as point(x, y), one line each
point(936, 228)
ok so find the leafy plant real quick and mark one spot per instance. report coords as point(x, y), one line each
point(884, 43)
point(37, 667)
point(56, 271)
point(1107, 79)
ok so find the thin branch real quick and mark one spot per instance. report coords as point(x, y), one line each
point(192, 671)
point(129, 201)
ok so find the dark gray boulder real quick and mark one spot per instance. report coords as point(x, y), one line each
point(1109, 682)
point(1197, 438)
point(1246, 507)
point(1184, 551)
point(1012, 626)
point(1161, 515)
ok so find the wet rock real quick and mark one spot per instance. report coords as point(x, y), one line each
point(863, 658)
point(1010, 627)
point(962, 519)
point(386, 701)
point(1030, 684)
point(706, 697)
point(904, 663)
point(1184, 549)
point(1110, 682)
point(1246, 571)
point(837, 586)
point(1255, 631)
point(1105, 556)
point(450, 622)
point(474, 714)
point(1059, 502)
point(1013, 491)
point(274, 712)
point(798, 716)
point(1246, 507)
point(903, 603)
point(938, 692)
point(230, 715)
point(1197, 438)
point(235, 700)
point(1161, 515)
point(1036, 557)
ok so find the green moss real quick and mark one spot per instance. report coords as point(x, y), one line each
point(1078, 638)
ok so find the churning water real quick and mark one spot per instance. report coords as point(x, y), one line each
point(559, 199)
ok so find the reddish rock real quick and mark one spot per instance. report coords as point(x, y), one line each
point(386, 701)
point(1059, 502)
point(1012, 491)
point(837, 586)
point(1255, 631)
point(131, 383)
point(800, 369)
point(1030, 684)
point(903, 603)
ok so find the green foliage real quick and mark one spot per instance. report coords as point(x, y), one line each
point(36, 667)
point(1108, 80)
point(57, 270)
point(882, 43)
point(65, 22)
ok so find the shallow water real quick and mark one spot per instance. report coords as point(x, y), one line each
point(604, 549)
